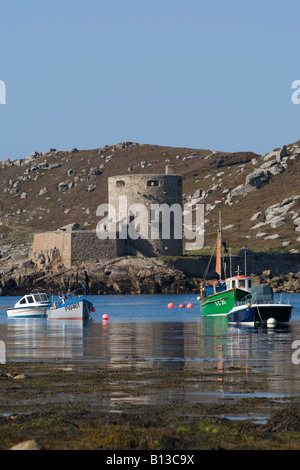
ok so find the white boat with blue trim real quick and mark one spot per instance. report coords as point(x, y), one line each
point(31, 305)
point(69, 308)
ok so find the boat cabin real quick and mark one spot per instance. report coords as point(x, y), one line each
point(239, 282)
point(32, 300)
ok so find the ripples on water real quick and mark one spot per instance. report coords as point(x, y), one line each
point(142, 330)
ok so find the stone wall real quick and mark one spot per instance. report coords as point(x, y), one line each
point(50, 240)
point(256, 263)
point(86, 246)
point(78, 246)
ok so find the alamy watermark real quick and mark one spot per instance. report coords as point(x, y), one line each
point(296, 354)
point(2, 352)
point(296, 93)
point(159, 221)
point(2, 92)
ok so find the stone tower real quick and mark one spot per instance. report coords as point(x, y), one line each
point(152, 197)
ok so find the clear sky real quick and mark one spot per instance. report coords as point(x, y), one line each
point(210, 74)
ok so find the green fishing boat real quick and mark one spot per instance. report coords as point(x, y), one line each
point(225, 294)
point(219, 297)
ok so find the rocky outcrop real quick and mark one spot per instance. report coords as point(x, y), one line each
point(120, 276)
point(130, 275)
point(289, 283)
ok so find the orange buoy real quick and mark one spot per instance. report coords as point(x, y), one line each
point(170, 305)
point(189, 305)
point(181, 305)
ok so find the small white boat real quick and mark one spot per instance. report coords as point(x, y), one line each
point(70, 309)
point(31, 305)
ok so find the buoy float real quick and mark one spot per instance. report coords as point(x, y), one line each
point(181, 305)
point(105, 316)
point(170, 305)
point(271, 322)
point(189, 305)
point(92, 309)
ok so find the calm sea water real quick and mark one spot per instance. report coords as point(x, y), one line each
point(143, 330)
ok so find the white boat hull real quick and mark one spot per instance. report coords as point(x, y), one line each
point(76, 310)
point(26, 312)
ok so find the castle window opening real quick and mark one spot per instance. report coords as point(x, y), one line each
point(152, 183)
point(120, 183)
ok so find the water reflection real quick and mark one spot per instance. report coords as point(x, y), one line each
point(181, 342)
point(37, 338)
point(208, 346)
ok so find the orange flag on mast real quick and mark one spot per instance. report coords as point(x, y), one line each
point(218, 259)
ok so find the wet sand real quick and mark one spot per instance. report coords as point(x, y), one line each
point(99, 406)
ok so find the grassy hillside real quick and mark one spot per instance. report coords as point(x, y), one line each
point(32, 199)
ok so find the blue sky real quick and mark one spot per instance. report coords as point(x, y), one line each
point(202, 74)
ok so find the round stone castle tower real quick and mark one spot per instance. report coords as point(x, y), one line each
point(144, 202)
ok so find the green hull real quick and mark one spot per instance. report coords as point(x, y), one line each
point(222, 302)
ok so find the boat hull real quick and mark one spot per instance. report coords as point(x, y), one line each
point(25, 312)
point(76, 310)
point(222, 302)
point(260, 313)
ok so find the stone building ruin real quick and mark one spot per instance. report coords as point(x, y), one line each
point(80, 246)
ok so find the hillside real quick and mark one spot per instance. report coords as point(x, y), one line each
point(258, 195)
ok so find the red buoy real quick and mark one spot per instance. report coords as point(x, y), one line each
point(189, 305)
point(170, 305)
point(105, 316)
point(92, 309)
point(181, 305)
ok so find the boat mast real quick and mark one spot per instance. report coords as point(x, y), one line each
point(219, 244)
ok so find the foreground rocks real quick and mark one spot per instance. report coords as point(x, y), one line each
point(95, 416)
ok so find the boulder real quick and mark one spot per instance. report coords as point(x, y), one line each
point(124, 145)
point(257, 178)
point(43, 191)
point(256, 216)
point(199, 193)
point(91, 188)
point(63, 186)
point(30, 444)
point(297, 221)
point(277, 169)
point(240, 189)
point(6, 162)
point(69, 227)
point(283, 153)
point(54, 165)
point(277, 222)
